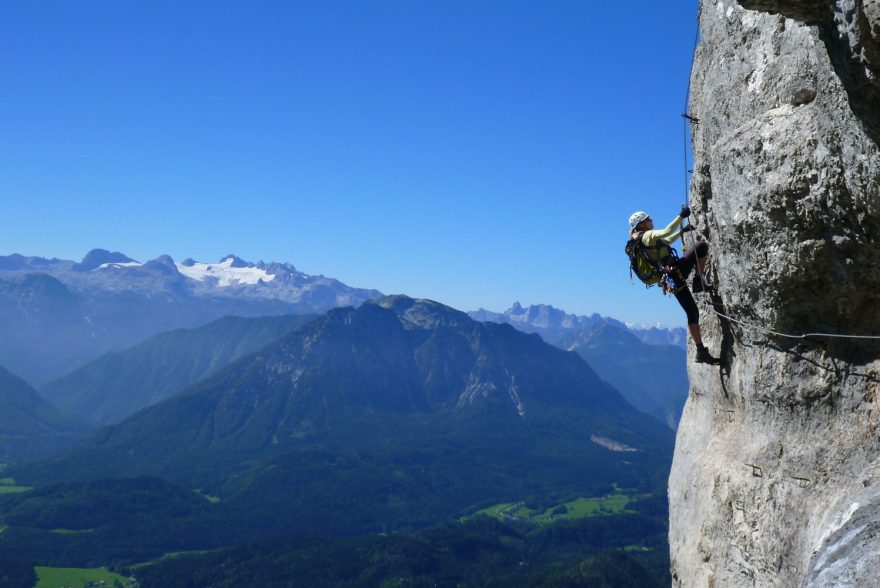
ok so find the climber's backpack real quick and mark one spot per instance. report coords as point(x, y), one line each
point(647, 262)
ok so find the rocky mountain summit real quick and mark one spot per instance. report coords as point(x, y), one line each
point(776, 476)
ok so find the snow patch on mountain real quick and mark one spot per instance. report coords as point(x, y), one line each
point(226, 273)
point(118, 265)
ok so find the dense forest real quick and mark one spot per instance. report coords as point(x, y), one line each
point(479, 552)
point(167, 535)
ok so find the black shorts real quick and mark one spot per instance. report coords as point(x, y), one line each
point(688, 260)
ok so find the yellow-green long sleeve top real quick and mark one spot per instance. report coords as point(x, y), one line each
point(670, 234)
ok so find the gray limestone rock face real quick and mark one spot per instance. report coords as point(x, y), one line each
point(776, 475)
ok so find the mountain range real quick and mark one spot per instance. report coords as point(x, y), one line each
point(560, 328)
point(106, 390)
point(56, 315)
point(422, 409)
point(60, 314)
point(231, 277)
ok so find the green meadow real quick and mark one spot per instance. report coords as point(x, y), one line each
point(8, 486)
point(575, 509)
point(78, 578)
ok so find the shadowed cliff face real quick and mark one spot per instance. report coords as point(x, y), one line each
point(777, 466)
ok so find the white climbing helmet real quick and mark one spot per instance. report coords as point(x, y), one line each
point(636, 218)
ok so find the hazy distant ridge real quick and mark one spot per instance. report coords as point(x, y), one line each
point(29, 426)
point(558, 327)
point(57, 315)
point(118, 384)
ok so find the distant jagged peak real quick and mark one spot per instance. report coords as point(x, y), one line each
point(545, 313)
point(534, 310)
point(16, 261)
point(559, 327)
point(542, 316)
point(235, 261)
point(102, 257)
point(272, 267)
point(275, 267)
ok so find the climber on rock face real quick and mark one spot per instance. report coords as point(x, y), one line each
point(656, 245)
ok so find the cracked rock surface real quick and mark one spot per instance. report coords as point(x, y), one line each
point(776, 476)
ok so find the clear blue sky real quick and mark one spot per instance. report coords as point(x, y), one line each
point(472, 152)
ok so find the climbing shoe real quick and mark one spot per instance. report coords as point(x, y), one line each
point(698, 284)
point(703, 356)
